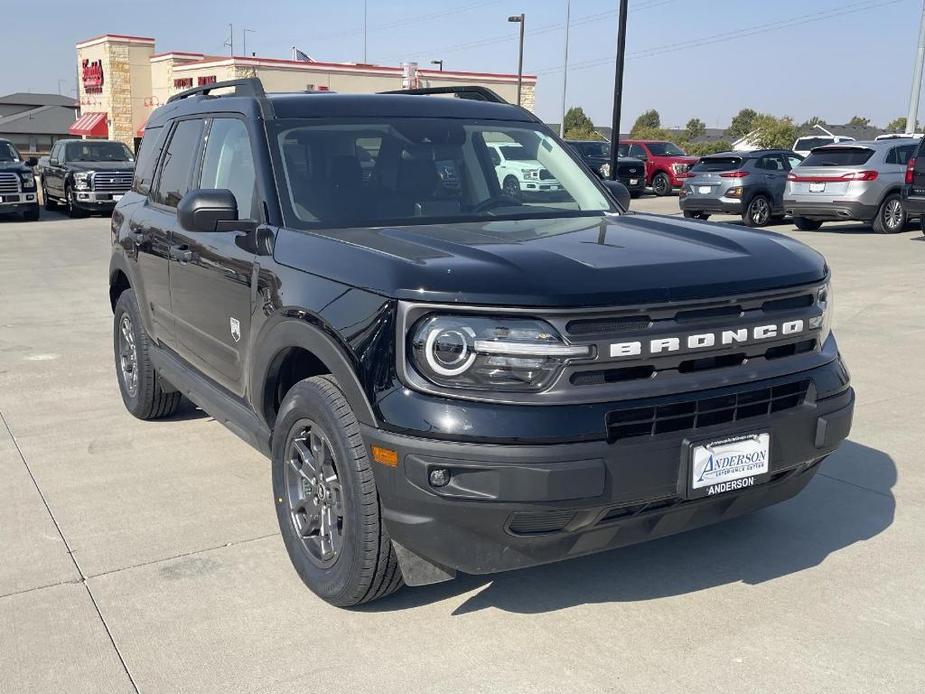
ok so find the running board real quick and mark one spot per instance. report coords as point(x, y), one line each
point(220, 405)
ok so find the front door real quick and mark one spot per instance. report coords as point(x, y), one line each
point(211, 273)
point(774, 169)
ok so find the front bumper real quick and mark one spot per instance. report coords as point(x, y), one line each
point(638, 187)
point(11, 203)
point(513, 506)
point(830, 211)
point(93, 200)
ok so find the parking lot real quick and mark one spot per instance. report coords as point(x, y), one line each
point(145, 555)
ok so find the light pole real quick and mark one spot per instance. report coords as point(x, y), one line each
point(244, 33)
point(519, 19)
point(438, 63)
point(618, 92)
point(913, 116)
point(230, 41)
point(568, 15)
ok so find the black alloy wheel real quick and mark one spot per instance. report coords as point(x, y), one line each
point(758, 212)
point(661, 184)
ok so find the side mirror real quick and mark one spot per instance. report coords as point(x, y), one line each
point(619, 193)
point(52, 162)
point(32, 162)
point(207, 210)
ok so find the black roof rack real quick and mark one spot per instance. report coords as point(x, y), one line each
point(473, 92)
point(250, 86)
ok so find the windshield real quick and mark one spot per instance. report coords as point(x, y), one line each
point(596, 149)
point(717, 164)
point(90, 150)
point(424, 171)
point(8, 152)
point(666, 149)
point(838, 156)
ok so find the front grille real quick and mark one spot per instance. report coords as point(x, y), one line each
point(9, 182)
point(525, 523)
point(114, 182)
point(696, 413)
point(545, 175)
point(628, 171)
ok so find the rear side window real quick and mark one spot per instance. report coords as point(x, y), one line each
point(177, 163)
point(708, 164)
point(147, 160)
point(839, 156)
point(771, 162)
point(900, 155)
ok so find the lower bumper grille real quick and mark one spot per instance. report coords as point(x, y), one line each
point(697, 413)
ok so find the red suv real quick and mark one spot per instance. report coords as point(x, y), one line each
point(665, 161)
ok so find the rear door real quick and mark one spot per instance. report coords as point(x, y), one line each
point(52, 177)
point(773, 169)
point(211, 273)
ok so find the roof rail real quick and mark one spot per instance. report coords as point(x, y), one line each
point(250, 86)
point(473, 92)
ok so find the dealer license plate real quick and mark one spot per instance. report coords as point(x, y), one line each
point(817, 187)
point(634, 181)
point(116, 198)
point(705, 190)
point(729, 464)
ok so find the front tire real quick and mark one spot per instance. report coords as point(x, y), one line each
point(661, 184)
point(758, 212)
point(31, 215)
point(891, 217)
point(511, 188)
point(327, 504)
point(804, 224)
point(50, 205)
point(143, 391)
point(73, 211)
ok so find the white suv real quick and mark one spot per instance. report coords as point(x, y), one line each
point(804, 145)
point(519, 175)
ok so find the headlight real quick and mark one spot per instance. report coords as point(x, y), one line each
point(28, 180)
point(82, 180)
point(825, 300)
point(605, 170)
point(677, 167)
point(483, 353)
point(533, 174)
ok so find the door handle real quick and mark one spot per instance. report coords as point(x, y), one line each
point(181, 253)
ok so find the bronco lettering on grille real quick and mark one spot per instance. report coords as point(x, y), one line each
point(707, 340)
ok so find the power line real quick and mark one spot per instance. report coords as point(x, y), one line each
point(730, 35)
point(545, 29)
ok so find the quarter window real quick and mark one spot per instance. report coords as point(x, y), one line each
point(177, 165)
point(147, 160)
point(229, 163)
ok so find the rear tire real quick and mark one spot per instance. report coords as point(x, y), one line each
point(144, 393)
point(327, 504)
point(661, 184)
point(758, 212)
point(689, 214)
point(891, 217)
point(804, 224)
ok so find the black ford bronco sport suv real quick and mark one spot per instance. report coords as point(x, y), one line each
point(17, 183)
point(447, 378)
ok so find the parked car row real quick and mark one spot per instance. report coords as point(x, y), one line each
point(845, 181)
point(80, 176)
point(642, 163)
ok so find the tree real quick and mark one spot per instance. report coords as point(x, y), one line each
point(742, 123)
point(898, 125)
point(695, 128)
point(813, 122)
point(859, 120)
point(770, 132)
point(577, 125)
point(701, 149)
point(650, 120)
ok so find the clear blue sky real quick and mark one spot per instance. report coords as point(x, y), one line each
point(704, 58)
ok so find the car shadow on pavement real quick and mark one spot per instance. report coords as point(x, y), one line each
point(848, 502)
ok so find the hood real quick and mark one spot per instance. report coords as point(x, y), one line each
point(690, 161)
point(101, 165)
point(14, 166)
point(603, 261)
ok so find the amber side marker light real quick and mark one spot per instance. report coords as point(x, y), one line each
point(385, 456)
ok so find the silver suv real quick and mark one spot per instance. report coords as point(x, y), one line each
point(851, 181)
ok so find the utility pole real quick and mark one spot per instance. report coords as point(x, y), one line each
point(618, 91)
point(364, 29)
point(230, 41)
point(568, 18)
point(520, 19)
point(913, 116)
point(244, 32)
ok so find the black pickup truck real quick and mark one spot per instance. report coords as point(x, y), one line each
point(631, 172)
point(87, 176)
point(447, 378)
point(17, 183)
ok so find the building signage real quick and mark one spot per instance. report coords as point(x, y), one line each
point(92, 76)
point(187, 82)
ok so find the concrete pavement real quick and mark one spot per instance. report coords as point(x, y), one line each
point(144, 556)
